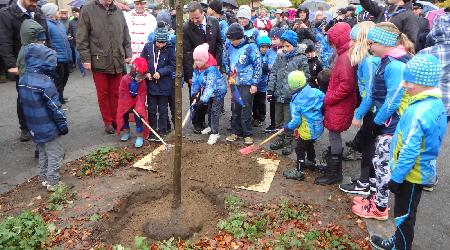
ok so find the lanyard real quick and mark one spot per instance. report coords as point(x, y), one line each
point(155, 57)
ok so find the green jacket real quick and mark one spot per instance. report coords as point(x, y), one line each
point(29, 31)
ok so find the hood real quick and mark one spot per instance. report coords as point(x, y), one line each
point(39, 58)
point(435, 92)
point(211, 62)
point(440, 33)
point(339, 36)
point(29, 31)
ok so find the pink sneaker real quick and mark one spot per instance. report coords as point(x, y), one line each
point(365, 201)
point(370, 212)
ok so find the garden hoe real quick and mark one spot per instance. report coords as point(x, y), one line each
point(250, 149)
point(168, 146)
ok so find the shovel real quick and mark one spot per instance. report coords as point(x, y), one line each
point(186, 118)
point(168, 146)
point(250, 149)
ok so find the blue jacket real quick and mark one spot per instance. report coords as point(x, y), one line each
point(366, 73)
point(223, 25)
point(269, 59)
point(417, 139)
point(212, 82)
point(165, 66)
point(306, 112)
point(59, 41)
point(252, 33)
point(387, 92)
point(325, 49)
point(245, 59)
point(38, 95)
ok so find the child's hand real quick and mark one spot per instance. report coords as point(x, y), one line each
point(356, 123)
point(253, 89)
point(156, 76)
point(149, 76)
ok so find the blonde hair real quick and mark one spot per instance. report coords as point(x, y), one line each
point(360, 48)
point(402, 39)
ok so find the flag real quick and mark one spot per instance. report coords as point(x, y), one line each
point(235, 95)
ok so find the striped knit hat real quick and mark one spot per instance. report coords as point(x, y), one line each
point(382, 37)
point(161, 33)
point(423, 69)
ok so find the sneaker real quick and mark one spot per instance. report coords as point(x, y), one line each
point(139, 142)
point(380, 243)
point(206, 131)
point(355, 187)
point(109, 129)
point(197, 130)
point(351, 155)
point(430, 187)
point(370, 212)
point(44, 184)
point(25, 135)
point(364, 201)
point(52, 188)
point(270, 129)
point(213, 139)
point(294, 174)
point(248, 140)
point(125, 136)
point(232, 138)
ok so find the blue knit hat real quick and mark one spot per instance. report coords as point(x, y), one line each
point(264, 41)
point(291, 37)
point(161, 33)
point(423, 69)
point(276, 32)
point(382, 37)
point(354, 32)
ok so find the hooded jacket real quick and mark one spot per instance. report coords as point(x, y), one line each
point(210, 80)
point(59, 40)
point(340, 99)
point(269, 60)
point(366, 74)
point(417, 139)
point(164, 63)
point(440, 37)
point(28, 34)
point(285, 64)
point(306, 112)
point(38, 95)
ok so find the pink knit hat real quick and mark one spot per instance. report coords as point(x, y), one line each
point(201, 52)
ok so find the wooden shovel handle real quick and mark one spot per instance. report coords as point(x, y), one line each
point(271, 137)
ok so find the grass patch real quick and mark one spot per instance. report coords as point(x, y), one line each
point(103, 159)
point(60, 198)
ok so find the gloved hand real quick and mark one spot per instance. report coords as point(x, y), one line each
point(133, 88)
point(394, 187)
point(265, 68)
point(64, 130)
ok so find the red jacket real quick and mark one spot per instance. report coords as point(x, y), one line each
point(340, 99)
point(127, 102)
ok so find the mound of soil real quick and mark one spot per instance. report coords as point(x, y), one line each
point(220, 165)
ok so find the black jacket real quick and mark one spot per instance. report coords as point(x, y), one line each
point(402, 16)
point(424, 29)
point(11, 19)
point(315, 66)
point(72, 31)
point(192, 37)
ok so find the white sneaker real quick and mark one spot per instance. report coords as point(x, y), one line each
point(213, 139)
point(44, 183)
point(206, 131)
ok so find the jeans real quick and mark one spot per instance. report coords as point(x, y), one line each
point(158, 112)
point(241, 116)
point(215, 106)
point(107, 86)
point(79, 63)
point(51, 155)
point(259, 106)
point(126, 123)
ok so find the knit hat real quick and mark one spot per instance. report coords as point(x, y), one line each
point(423, 69)
point(49, 9)
point(164, 16)
point(276, 32)
point(354, 32)
point(296, 80)
point(140, 65)
point(291, 37)
point(201, 52)
point(310, 48)
point(264, 41)
point(216, 5)
point(161, 33)
point(235, 32)
point(382, 37)
point(244, 12)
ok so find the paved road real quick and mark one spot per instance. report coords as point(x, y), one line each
point(86, 132)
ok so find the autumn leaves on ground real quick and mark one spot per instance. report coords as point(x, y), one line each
point(110, 203)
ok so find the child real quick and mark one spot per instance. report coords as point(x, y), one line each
point(323, 80)
point(306, 112)
point(259, 102)
point(160, 56)
point(339, 102)
point(367, 66)
point(208, 77)
point(387, 92)
point(43, 113)
point(132, 95)
point(315, 66)
point(415, 147)
point(291, 59)
point(243, 65)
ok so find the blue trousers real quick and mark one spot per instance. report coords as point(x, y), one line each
point(139, 124)
point(241, 115)
point(158, 114)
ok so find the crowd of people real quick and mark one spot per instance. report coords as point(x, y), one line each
point(383, 69)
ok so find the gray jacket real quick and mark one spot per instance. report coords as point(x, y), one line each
point(278, 84)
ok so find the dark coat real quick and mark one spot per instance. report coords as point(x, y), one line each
point(315, 66)
point(424, 29)
point(11, 19)
point(192, 37)
point(166, 66)
point(72, 31)
point(103, 38)
point(402, 16)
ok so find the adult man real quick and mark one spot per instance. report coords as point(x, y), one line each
point(10, 20)
point(72, 33)
point(140, 24)
point(105, 47)
point(199, 29)
point(398, 12)
point(424, 27)
point(64, 18)
point(277, 18)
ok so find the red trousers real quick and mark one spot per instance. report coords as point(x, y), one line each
point(107, 86)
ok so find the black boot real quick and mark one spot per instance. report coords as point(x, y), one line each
point(278, 143)
point(333, 173)
point(287, 150)
point(311, 165)
point(297, 173)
